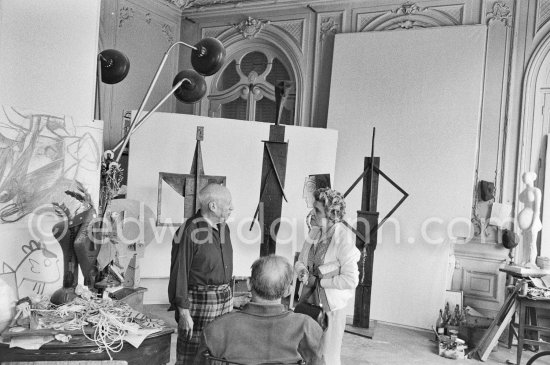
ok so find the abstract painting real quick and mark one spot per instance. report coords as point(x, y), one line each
point(42, 155)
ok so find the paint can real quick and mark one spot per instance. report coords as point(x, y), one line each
point(524, 286)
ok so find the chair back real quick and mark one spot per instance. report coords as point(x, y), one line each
point(213, 360)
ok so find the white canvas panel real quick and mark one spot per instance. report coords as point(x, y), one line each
point(234, 149)
point(421, 89)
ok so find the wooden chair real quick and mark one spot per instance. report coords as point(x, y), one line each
point(212, 360)
point(78, 362)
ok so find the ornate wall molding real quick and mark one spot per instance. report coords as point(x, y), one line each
point(215, 32)
point(328, 26)
point(408, 8)
point(543, 13)
point(125, 14)
point(501, 12)
point(250, 27)
point(148, 18)
point(409, 16)
point(294, 28)
point(168, 32)
point(186, 4)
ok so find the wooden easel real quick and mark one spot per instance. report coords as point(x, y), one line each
point(501, 321)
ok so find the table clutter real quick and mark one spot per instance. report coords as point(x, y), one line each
point(107, 323)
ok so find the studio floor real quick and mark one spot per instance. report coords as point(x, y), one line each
point(390, 345)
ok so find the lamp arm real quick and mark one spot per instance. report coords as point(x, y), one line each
point(146, 116)
point(146, 97)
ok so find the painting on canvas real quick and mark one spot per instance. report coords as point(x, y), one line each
point(41, 157)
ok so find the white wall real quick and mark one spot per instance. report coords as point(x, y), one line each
point(48, 55)
point(421, 89)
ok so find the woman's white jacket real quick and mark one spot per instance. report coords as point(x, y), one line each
point(339, 272)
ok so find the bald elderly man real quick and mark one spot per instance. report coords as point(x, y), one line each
point(201, 270)
point(264, 331)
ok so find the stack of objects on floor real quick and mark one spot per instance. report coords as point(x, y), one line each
point(446, 328)
point(457, 330)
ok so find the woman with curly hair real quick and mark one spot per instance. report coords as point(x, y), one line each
point(327, 267)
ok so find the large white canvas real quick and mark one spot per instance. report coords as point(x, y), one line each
point(421, 89)
point(231, 148)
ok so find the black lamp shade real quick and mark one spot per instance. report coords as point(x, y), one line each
point(509, 239)
point(114, 66)
point(192, 89)
point(209, 56)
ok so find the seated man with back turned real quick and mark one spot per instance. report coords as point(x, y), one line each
point(264, 330)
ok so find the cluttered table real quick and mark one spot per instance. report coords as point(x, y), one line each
point(155, 349)
point(87, 328)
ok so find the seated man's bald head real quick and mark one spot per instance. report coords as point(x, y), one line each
point(271, 277)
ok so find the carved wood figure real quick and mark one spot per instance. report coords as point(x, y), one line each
point(272, 188)
point(188, 185)
point(366, 232)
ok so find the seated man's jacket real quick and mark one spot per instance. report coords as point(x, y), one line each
point(262, 333)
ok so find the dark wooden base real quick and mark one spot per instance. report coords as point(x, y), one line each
point(363, 332)
point(155, 349)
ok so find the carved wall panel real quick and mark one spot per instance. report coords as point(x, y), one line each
point(295, 28)
point(408, 16)
point(493, 132)
point(477, 275)
point(214, 32)
point(327, 25)
point(543, 13)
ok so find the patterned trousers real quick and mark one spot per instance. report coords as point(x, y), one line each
point(207, 303)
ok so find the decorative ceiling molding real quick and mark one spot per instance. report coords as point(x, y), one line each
point(250, 27)
point(500, 12)
point(187, 4)
point(410, 16)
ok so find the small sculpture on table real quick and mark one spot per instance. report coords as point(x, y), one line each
point(529, 218)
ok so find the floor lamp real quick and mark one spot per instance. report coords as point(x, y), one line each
point(189, 86)
point(112, 67)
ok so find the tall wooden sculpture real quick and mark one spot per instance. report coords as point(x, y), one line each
point(367, 237)
point(273, 175)
point(272, 188)
point(188, 185)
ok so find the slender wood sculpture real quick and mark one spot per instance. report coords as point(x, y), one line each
point(366, 232)
point(272, 188)
point(188, 185)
